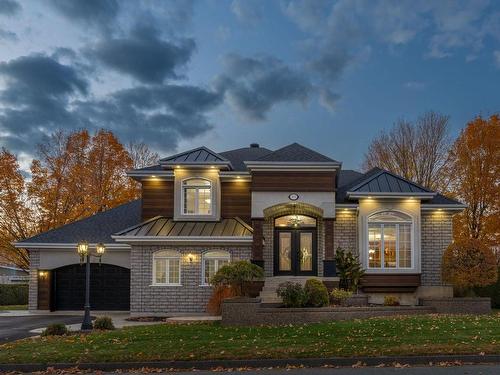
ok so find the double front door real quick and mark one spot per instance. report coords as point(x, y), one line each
point(295, 252)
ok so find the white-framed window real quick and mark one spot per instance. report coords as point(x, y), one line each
point(197, 196)
point(390, 240)
point(166, 267)
point(212, 262)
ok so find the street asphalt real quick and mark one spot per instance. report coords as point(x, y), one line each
point(18, 327)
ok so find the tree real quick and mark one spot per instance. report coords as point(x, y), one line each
point(474, 173)
point(417, 151)
point(141, 155)
point(468, 263)
point(16, 217)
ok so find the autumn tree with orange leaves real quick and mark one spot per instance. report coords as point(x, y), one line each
point(75, 175)
point(473, 170)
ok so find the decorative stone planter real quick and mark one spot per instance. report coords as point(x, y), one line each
point(356, 300)
point(466, 305)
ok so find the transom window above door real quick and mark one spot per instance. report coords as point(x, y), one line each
point(197, 196)
point(295, 221)
point(390, 243)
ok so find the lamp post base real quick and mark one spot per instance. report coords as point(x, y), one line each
point(87, 320)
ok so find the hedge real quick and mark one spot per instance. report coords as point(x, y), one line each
point(492, 291)
point(13, 294)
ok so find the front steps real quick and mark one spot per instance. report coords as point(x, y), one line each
point(268, 293)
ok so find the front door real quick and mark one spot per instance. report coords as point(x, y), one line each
point(295, 252)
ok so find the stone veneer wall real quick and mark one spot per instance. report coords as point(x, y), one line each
point(268, 231)
point(437, 234)
point(33, 283)
point(190, 297)
point(345, 230)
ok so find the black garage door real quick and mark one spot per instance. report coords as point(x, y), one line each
point(109, 287)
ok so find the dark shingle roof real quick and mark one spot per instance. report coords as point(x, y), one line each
point(346, 176)
point(165, 227)
point(239, 156)
point(96, 228)
point(197, 155)
point(296, 152)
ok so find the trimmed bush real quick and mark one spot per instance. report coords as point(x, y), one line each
point(391, 301)
point(339, 296)
point(56, 329)
point(292, 294)
point(236, 275)
point(104, 323)
point(316, 293)
point(492, 291)
point(13, 294)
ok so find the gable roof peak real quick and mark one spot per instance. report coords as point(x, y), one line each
point(197, 156)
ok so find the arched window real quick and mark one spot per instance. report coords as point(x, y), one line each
point(295, 221)
point(197, 196)
point(212, 262)
point(166, 267)
point(390, 240)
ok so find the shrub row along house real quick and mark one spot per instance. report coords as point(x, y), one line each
point(286, 210)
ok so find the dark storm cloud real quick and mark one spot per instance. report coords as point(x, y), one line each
point(255, 85)
point(9, 7)
point(159, 115)
point(100, 13)
point(144, 55)
point(42, 95)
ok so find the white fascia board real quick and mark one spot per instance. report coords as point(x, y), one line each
point(292, 166)
point(235, 176)
point(357, 195)
point(188, 240)
point(34, 245)
point(444, 207)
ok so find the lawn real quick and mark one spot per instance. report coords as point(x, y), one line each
point(13, 307)
point(426, 334)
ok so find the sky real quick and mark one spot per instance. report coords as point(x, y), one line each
point(330, 75)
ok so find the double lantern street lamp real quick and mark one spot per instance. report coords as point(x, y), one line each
point(85, 254)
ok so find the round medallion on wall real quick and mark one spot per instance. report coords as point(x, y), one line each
point(293, 197)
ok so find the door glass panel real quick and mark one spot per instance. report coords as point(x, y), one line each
point(285, 251)
point(305, 252)
point(389, 245)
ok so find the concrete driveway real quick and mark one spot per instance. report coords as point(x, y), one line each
point(18, 327)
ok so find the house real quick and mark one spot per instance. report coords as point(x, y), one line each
point(286, 210)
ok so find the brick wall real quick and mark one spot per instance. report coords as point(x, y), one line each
point(190, 297)
point(436, 236)
point(345, 230)
point(33, 283)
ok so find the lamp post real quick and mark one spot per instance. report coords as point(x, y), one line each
point(83, 250)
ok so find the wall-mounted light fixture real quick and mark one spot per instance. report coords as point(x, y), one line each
point(43, 274)
point(190, 257)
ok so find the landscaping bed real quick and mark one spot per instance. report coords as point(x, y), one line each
point(410, 335)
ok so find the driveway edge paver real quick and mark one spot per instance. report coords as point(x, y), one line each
point(258, 363)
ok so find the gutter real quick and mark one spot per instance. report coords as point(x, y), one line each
point(187, 240)
point(52, 246)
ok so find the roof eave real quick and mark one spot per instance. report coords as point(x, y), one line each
point(444, 207)
point(185, 240)
point(389, 195)
point(48, 245)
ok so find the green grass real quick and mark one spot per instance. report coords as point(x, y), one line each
point(426, 334)
point(13, 307)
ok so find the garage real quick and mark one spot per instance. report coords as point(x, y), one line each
point(109, 287)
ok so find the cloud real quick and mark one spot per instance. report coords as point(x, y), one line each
point(255, 85)
point(144, 55)
point(101, 13)
point(415, 85)
point(8, 35)
point(9, 7)
point(246, 11)
point(42, 94)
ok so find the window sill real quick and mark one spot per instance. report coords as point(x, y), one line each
point(176, 285)
point(206, 285)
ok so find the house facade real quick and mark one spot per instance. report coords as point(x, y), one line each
point(286, 210)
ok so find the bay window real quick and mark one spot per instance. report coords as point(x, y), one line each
point(390, 240)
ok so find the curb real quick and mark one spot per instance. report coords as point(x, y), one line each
point(256, 363)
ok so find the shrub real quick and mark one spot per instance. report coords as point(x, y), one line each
point(339, 296)
point(468, 263)
point(316, 293)
point(292, 294)
point(104, 323)
point(236, 275)
point(349, 269)
point(492, 291)
point(220, 293)
point(56, 329)
point(13, 294)
point(391, 301)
